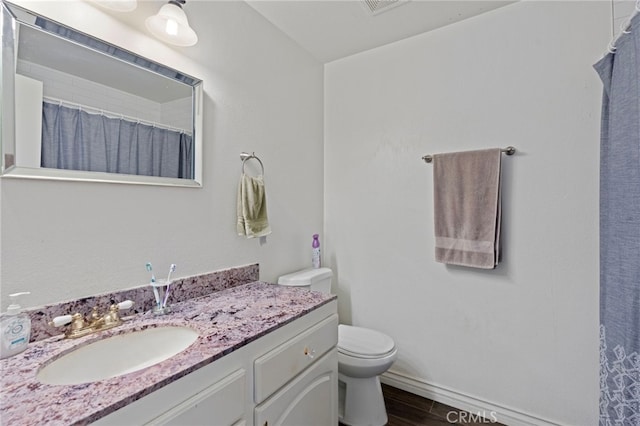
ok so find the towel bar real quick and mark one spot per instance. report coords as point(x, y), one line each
point(508, 150)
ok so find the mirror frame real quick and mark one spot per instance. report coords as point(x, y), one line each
point(9, 23)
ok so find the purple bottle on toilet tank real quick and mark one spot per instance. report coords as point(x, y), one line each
point(315, 253)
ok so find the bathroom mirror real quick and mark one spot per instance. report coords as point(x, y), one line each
point(78, 108)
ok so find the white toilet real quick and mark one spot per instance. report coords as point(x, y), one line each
point(363, 355)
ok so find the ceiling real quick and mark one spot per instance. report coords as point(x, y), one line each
point(333, 29)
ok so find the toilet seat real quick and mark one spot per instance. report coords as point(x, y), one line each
point(364, 343)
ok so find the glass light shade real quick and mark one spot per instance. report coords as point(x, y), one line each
point(118, 5)
point(170, 24)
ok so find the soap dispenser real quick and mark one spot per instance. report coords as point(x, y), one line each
point(15, 328)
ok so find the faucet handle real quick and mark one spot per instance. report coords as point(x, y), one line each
point(76, 320)
point(61, 320)
point(127, 304)
point(112, 317)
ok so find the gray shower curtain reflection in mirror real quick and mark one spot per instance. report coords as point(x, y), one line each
point(73, 139)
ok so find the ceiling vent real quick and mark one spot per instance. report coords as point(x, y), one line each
point(376, 7)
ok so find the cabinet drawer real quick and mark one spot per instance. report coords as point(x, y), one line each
point(283, 363)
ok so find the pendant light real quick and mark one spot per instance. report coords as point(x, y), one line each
point(170, 25)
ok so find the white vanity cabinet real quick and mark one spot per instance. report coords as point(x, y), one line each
point(286, 377)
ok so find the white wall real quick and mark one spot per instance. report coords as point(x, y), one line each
point(28, 120)
point(263, 93)
point(177, 113)
point(622, 10)
point(521, 339)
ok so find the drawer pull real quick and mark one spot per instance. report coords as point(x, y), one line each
point(311, 353)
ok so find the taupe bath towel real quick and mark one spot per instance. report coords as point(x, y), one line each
point(466, 192)
point(252, 207)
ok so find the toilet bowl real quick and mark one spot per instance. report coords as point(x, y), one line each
point(363, 354)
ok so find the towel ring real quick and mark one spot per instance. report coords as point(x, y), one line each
point(244, 156)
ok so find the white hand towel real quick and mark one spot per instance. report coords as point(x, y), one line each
point(252, 207)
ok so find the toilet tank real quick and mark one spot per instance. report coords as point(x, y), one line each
point(316, 279)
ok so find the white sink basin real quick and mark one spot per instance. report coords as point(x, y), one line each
point(117, 355)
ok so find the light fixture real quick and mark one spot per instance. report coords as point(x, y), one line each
point(170, 25)
point(118, 5)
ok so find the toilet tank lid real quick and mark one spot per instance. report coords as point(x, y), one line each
point(305, 277)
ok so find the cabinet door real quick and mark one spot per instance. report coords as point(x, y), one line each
point(221, 404)
point(310, 399)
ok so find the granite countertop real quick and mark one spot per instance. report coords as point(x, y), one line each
point(226, 320)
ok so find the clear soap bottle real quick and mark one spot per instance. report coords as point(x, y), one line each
point(15, 328)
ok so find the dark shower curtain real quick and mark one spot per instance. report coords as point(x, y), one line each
point(73, 139)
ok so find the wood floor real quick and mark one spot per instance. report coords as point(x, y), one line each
point(407, 409)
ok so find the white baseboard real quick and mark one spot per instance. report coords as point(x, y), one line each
point(464, 402)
